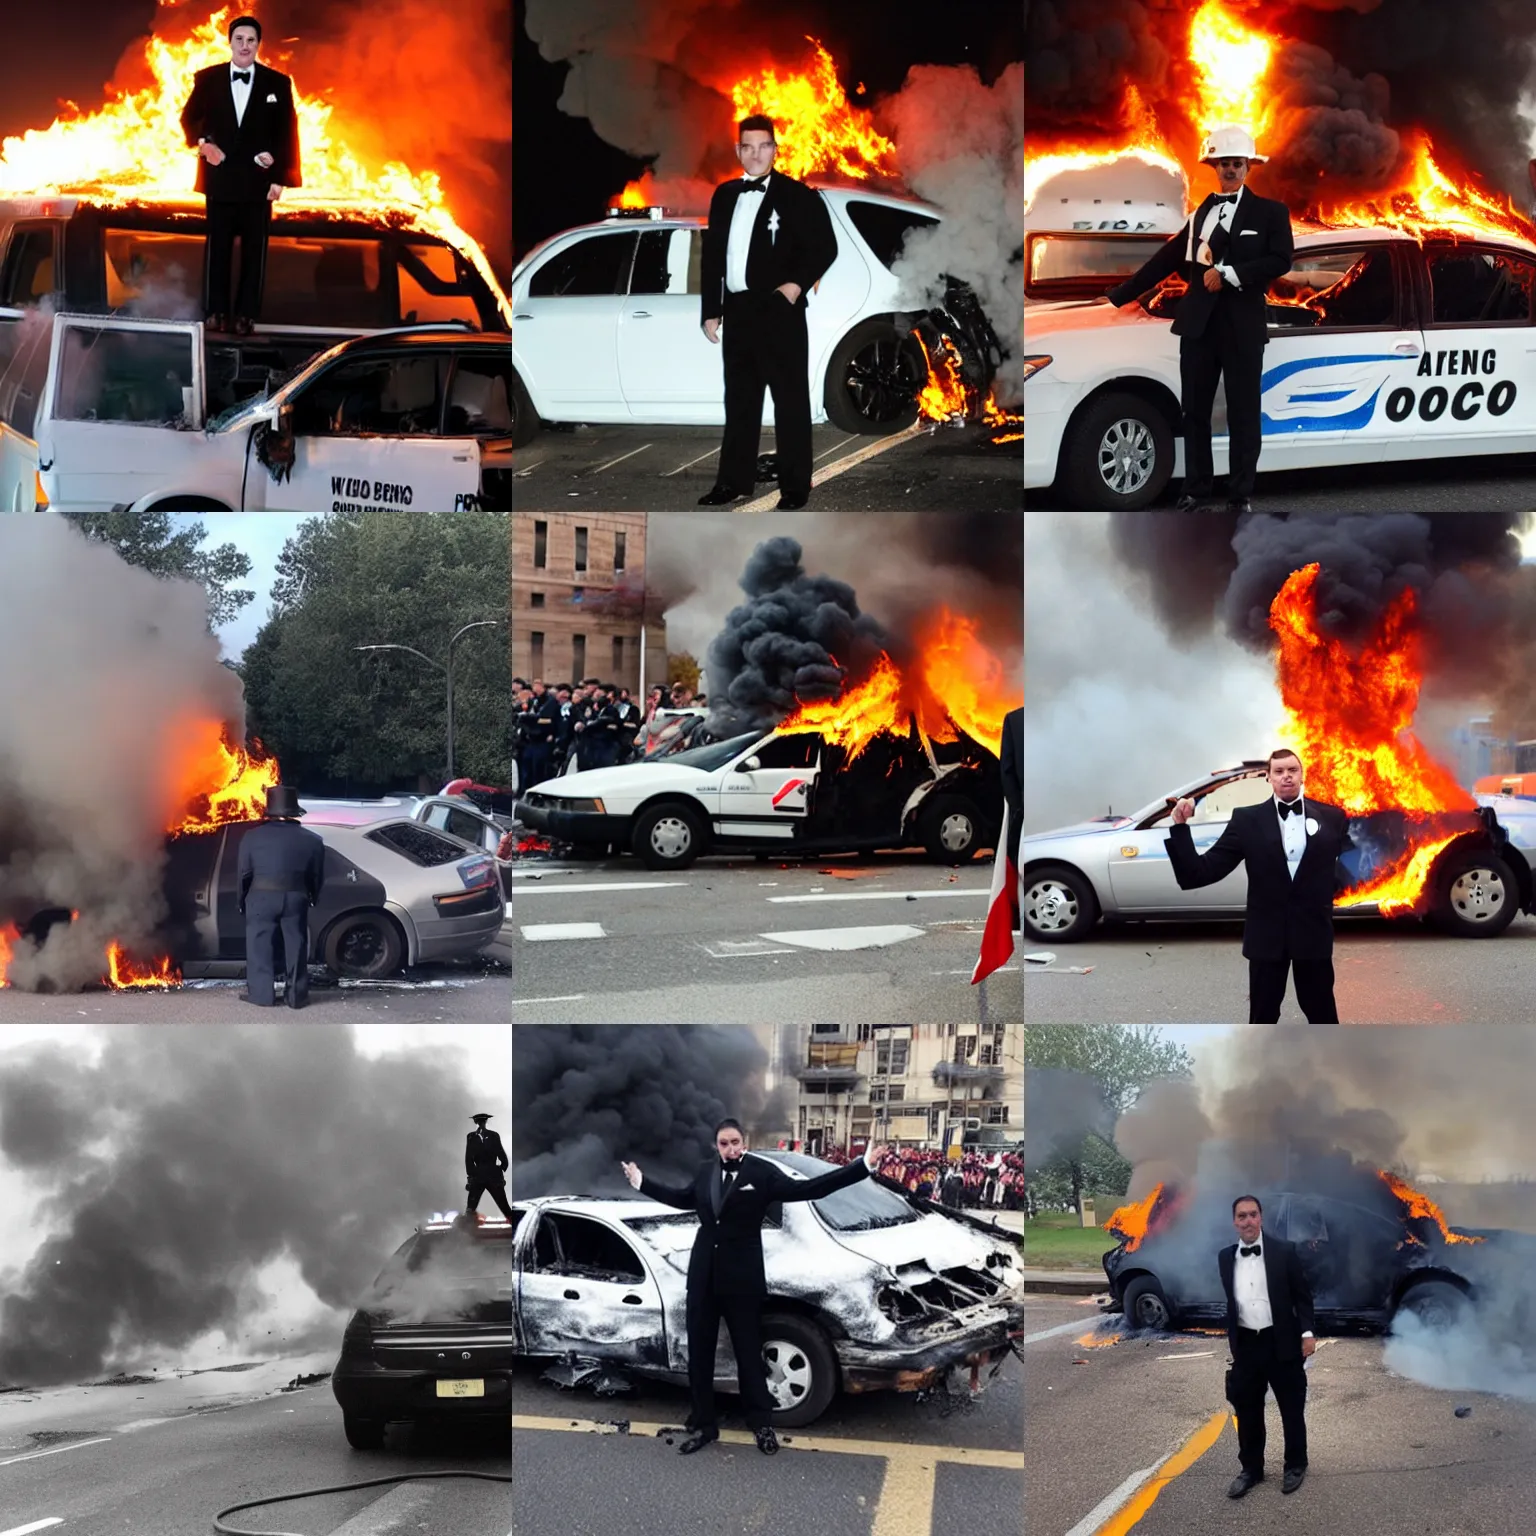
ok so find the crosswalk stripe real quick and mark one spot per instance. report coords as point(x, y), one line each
point(621, 885)
point(535, 932)
point(967, 890)
point(847, 938)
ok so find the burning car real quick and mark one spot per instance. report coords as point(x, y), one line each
point(433, 1339)
point(867, 1289)
point(1117, 868)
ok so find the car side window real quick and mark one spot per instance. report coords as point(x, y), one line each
point(1304, 1222)
point(480, 397)
point(599, 264)
point(667, 261)
point(799, 750)
point(1480, 285)
point(137, 377)
point(462, 824)
point(24, 348)
point(29, 273)
point(1226, 798)
point(589, 1249)
point(397, 395)
point(434, 285)
point(1334, 290)
point(885, 229)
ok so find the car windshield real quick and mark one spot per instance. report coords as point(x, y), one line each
point(862, 1207)
point(716, 755)
point(437, 1276)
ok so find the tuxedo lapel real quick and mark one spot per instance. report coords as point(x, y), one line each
point(715, 1181)
point(1271, 1271)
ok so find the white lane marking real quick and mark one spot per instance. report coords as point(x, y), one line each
point(847, 938)
point(611, 462)
point(37, 1525)
point(689, 465)
point(397, 1510)
point(54, 1451)
point(526, 469)
point(535, 932)
point(1106, 1507)
point(840, 466)
point(833, 449)
point(1056, 1332)
point(127, 1429)
point(740, 949)
point(962, 890)
point(1204, 1354)
point(525, 1002)
point(617, 885)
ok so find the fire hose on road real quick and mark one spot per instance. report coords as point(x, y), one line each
point(223, 1529)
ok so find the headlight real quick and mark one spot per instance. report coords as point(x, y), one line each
point(1033, 365)
point(581, 807)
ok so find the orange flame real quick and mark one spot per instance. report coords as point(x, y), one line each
point(943, 396)
point(9, 933)
point(1093, 1340)
point(856, 717)
point(217, 783)
point(1421, 1207)
point(1230, 61)
point(123, 974)
point(1133, 1222)
point(634, 195)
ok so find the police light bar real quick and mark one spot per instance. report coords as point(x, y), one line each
point(657, 212)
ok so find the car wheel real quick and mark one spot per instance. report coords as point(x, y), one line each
point(802, 1371)
point(950, 829)
point(364, 944)
point(363, 1434)
point(669, 836)
point(1059, 905)
point(873, 380)
point(1146, 1306)
point(1476, 895)
point(1436, 1303)
point(1119, 454)
point(525, 420)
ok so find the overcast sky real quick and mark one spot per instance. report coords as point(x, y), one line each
point(261, 535)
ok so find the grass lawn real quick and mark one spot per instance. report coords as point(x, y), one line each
point(1056, 1241)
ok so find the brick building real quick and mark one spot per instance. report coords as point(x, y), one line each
point(578, 591)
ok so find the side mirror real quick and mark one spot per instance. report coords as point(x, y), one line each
point(749, 764)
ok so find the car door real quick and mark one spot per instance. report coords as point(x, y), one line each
point(668, 369)
point(1347, 1253)
point(367, 436)
point(565, 324)
point(479, 412)
point(766, 792)
point(1343, 336)
point(585, 1289)
point(1141, 875)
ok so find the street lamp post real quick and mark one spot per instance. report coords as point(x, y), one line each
point(445, 668)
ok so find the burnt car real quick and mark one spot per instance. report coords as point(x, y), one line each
point(868, 1289)
point(432, 1340)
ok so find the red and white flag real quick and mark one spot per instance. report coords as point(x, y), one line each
point(1004, 907)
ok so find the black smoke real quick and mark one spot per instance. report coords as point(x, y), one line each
point(1061, 1109)
point(587, 1097)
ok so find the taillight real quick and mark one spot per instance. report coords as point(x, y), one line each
point(41, 498)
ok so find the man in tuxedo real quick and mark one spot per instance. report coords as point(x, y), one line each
point(1011, 766)
point(281, 870)
point(485, 1167)
point(1291, 846)
point(1229, 251)
point(241, 120)
point(731, 1193)
point(769, 240)
point(1269, 1330)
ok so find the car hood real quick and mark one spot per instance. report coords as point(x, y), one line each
point(1077, 315)
point(1080, 829)
point(932, 1240)
point(629, 776)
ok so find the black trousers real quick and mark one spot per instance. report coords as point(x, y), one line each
point(535, 763)
point(764, 343)
point(251, 222)
point(1224, 350)
point(743, 1317)
point(498, 1191)
point(1314, 990)
point(268, 916)
point(1254, 1367)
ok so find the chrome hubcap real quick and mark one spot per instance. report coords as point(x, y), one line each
point(671, 836)
point(955, 832)
point(1127, 456)
point(789, 1373)
point(1478, 895)
point(1050, 907)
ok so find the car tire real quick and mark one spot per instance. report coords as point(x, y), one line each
point(1475, 895)
point(366, 945)
point(873, 379)
point(363, 1434)
point(1437, 1304)
point(669, 836)
point(1119, 454)
point(1146, 1306)
point(1059, 905)
point(525, 420)
point(950, 828)
point(802, 1370)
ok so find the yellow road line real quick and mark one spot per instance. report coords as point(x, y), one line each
point(1180, 1462)
point(905, 1505)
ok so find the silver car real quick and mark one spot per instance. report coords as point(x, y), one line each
point(1116, 867)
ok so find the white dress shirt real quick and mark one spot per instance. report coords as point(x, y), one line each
point(241, 90)
point(1293, 832)
point(744, 217)
point(1250, 1289)
point(1220, 213)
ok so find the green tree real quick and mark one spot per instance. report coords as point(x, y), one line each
point(340, 718)
point(146, 539)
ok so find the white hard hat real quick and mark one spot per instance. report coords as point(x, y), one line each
point(1226, 143)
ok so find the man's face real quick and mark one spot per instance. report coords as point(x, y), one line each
point(1285, 776)
point(729, 1144)
point(243, 44)
point(756, 150)
point(1231, 172)
point(1248, 1220)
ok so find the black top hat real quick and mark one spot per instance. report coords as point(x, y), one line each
point(283, 800)
point(479, 1117)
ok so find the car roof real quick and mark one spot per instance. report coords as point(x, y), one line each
point(610, 1210)
point(1321, 234)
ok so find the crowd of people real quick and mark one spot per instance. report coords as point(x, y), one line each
point(978, 1181)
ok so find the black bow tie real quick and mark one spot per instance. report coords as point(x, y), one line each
point(1226, 197)
point(729, 1168)
point(244, 79)
point(1250, 1253)
point(1291, 809)
point(755, 186)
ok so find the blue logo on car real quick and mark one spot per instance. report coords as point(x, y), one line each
point(1278, 405)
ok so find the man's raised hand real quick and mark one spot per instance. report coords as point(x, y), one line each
point(874, 1155)
point(1182, 812)
point(633, 1174)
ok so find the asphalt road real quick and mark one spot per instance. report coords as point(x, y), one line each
point(1387, 1455)
point(1194, 973)
point(877, 1464)
point(140, 1460)
point(887, 938)
point(660, 469)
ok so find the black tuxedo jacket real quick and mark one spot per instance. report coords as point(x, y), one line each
point(792, 241)
point(1259, 249)
point(1286, 918)
point(485, 1160)
point(727, 1257)
point(270, 126)
point(1290, 1296)
point(1011, 764)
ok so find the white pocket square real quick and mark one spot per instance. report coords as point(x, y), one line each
point(745, 1187)
point(1311, 827)
point(1241, 231)
point(271, 98)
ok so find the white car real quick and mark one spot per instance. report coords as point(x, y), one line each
point(1381, 349)
point(605, 323)
point(406, 419)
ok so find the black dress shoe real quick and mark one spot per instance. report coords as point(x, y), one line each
point(1293, 1479)
point(788, 504)
point(767, 1441)
point(697, 1440)
point(1188, 503)
point(245, 997)
point(719, 495)
point(1241, 504)
point(1242, 1483)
